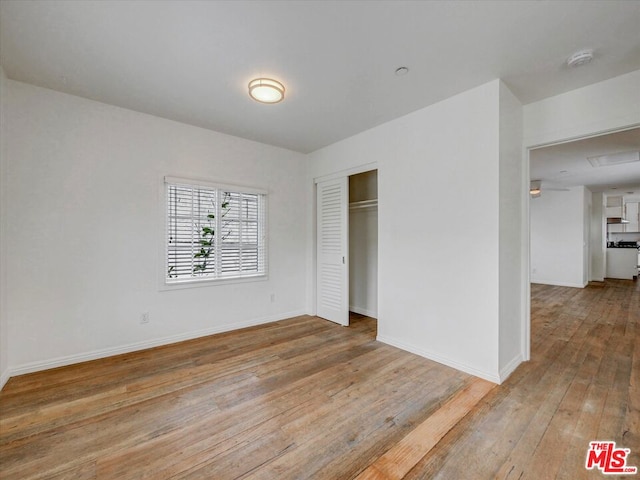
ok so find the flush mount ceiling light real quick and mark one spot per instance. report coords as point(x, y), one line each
point(266, 90)
point(580, 58)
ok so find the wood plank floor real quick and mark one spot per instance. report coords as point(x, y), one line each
point(582, 384)
point(300, 398)
point(261, 403)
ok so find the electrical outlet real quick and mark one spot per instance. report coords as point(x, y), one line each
point(144, 318)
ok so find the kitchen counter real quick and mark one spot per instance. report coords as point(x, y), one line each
point(622, 263)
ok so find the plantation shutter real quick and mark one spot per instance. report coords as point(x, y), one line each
point(214, 232)
point(241, 228)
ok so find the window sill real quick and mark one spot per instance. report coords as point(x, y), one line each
point(211, 282)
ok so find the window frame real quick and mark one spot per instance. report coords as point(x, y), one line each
point(164, 281)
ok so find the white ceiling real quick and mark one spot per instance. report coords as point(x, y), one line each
point(567, 165)
point(191, 61)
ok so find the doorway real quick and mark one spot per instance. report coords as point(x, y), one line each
point(575, 183)
point(363, 243)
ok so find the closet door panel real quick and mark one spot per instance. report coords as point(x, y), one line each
point(332, 251)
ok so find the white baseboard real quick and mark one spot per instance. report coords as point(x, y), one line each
point(363, 311)
point(4, 378)
point(132, 347)
point(509, 368)
point(495, 378)
point(558, 284)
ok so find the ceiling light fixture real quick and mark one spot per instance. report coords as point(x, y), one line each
point(400, 71)
point(535, 187)
point(266, 90)
point(580, 58)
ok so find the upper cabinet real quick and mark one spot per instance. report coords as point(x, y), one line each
point(617, 207)
point(614, 209)
point(631, 214)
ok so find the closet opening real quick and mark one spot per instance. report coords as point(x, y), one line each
point(363, 250)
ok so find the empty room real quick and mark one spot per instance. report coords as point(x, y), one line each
point(319, 239)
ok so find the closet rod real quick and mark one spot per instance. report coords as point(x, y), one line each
point(364, 204)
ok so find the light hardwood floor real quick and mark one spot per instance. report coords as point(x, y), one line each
point(304, 398)
point(300, 398)
point(582, 384)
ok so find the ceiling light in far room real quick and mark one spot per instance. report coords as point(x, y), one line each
point(580, 58)
point(266, 90)
point(534, 188)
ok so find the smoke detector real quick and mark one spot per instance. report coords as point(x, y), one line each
point(580, 58)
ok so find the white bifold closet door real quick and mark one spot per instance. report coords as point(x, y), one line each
point(333, 249)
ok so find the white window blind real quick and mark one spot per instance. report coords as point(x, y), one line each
point(214, 232)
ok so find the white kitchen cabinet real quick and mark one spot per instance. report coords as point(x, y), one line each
point(615, 208)
point(614, 211)
point(615, 227)
point(628, 211)
point(615, 201)
point(622, 263)
point(631, 214)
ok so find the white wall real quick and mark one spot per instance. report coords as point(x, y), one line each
point(602, 107)
point(557, 238)
point(566, 239)
point(438, 171)
point(598, 237)
point(84, 225)
point(4, 344)
point(363, 261)
point(513, 185)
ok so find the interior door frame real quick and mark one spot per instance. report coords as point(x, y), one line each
point(314, 254)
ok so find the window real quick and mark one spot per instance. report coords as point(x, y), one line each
point(213, 232)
